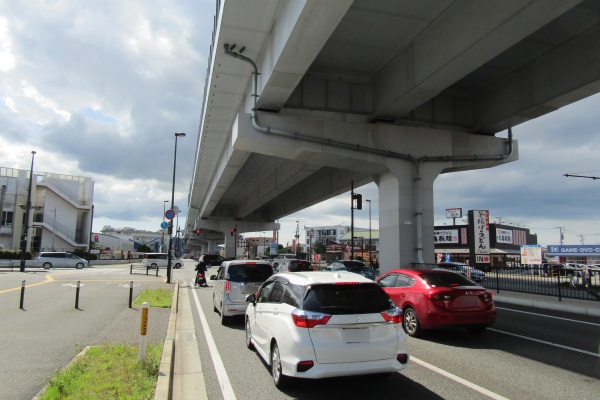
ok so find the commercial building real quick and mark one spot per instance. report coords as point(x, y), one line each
point(61, 211)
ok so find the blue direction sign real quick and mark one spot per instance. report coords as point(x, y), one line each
point(164, 225)
point(170, 214)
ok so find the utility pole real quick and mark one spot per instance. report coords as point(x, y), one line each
point(562, 236)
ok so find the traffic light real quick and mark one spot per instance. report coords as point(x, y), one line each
point(197, 232)
point(357, 198)
point(232, 231)
point(96, 238)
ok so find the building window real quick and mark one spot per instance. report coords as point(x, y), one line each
point(7, 218)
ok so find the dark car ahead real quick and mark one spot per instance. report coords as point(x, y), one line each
point(358, 267)
point(211, 259)
point(293, 266)
point(463, 269)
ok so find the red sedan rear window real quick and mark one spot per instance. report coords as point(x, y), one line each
point(446, 280)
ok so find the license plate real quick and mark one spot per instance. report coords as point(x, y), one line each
point(357, 335)
point(467, 301)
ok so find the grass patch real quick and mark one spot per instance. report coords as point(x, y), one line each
point(155, 298)
point(108, 372)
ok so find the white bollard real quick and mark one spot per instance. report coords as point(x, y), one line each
point(143, 331)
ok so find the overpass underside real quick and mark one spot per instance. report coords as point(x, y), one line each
point(304, 99)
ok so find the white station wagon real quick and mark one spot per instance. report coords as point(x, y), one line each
point(325, 324)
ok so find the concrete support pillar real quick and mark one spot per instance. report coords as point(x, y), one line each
point(406, 213)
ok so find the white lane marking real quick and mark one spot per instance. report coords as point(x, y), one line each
point(458, 379)
point(224, 382)
point(545, 342)
point(547, 316)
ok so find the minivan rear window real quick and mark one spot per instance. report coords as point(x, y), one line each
point(249, 272)
point(363, 298)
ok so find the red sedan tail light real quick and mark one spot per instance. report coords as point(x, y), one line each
point(440, 296)
point(307, 319)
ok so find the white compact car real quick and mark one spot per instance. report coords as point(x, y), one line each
point(160, 260)
point(325, 324)
point(233, 282)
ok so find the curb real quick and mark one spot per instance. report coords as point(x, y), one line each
point(39, 394)
point(582, 310)
point(164, 384)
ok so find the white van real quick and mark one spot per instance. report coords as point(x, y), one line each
point(160, 260)
point(53, 259)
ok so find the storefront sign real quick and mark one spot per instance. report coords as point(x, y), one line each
point(445, 236)
point(504, 236)
point(531, 254)
point(574, 250)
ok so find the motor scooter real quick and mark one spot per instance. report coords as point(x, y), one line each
point(200, 280)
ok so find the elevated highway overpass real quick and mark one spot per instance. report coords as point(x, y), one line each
point(305, 98)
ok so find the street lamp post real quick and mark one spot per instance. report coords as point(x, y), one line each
point(169, 257)
point(370, 260)
point(25, 234)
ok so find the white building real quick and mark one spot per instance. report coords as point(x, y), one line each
point(61, 211)
point(325, 234)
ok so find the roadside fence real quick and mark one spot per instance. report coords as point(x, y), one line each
point(582, 284)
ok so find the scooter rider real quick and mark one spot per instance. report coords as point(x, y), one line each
point(200, 268)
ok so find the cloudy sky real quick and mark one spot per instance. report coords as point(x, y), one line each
point(99, 87)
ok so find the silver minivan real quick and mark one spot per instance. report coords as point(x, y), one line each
point(233, 282)
point(53, 259)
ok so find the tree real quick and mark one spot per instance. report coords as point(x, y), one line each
point(320, 248)
point(144, 249)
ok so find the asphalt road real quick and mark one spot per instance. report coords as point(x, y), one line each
point(49, 332)
point(528, 354)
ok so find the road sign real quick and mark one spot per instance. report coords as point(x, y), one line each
point(164, 225)
point(170, 214)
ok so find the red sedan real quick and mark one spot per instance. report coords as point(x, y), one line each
point(431, 298)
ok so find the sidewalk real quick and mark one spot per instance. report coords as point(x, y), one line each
point(181, 375)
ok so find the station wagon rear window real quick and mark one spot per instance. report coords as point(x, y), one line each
point(363, 298)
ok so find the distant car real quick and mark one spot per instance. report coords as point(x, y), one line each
point(53, 259)
point(355, 266)
point(293, 266)
point(434, 298)
point(324, 324)
point(160, 260)
point(234, 280)
point(281, 257)
point(463, 269)
point(211, 260)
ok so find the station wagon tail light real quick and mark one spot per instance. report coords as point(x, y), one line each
point(393, 315)
point(308, 319)
point(304, 366)
point(402, 358)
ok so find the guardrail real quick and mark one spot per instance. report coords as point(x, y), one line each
point(582, 284)
point(7, 264)
point(134, 269)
